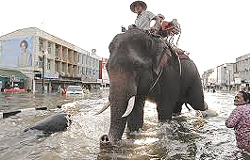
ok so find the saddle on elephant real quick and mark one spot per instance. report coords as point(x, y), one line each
point(168, 29)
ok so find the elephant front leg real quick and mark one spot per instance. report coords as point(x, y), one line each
point(135, 119)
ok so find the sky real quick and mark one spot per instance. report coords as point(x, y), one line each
point(213, 31)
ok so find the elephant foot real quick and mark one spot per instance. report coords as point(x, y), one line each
point(105, 142)
point(205, 105)
point(176, 114)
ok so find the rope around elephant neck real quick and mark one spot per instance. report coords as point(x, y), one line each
point(157, 79)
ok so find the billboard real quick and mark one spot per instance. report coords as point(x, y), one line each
point(16, 52)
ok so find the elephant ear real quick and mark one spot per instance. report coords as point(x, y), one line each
point(161, 61)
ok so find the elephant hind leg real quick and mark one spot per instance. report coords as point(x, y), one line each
point(177, 109)
point(165, 110)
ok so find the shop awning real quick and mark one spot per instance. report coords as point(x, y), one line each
point(12, 74)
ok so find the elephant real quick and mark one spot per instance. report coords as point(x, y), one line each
point(55, 123)
point(143, 67)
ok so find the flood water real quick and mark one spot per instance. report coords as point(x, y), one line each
point(186, 137)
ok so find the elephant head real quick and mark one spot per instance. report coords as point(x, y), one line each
point(136, 57)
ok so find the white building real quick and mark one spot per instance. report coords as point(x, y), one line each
point(38, 54)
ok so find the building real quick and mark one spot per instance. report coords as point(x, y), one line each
point(208, 79)
point(231, 76)
point(225, 76)
point(221, 77)
point(242, 73)
point(10, 77)
point(46, 60)
point(103, 73)
point(243, 68)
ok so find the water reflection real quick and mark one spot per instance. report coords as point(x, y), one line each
point(185, 137)
point(11, 102)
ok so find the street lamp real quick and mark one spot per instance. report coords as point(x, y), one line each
point(43, 69)
point(228, 73)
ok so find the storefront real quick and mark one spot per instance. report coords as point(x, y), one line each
point(8, 78)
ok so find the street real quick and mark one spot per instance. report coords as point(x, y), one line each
point(185, 137)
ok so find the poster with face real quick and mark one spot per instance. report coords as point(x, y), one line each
point(16, 52)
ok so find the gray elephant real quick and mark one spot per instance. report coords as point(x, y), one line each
point(55, 123)
point(142, 67)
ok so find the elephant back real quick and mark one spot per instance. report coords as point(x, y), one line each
point(181, 54)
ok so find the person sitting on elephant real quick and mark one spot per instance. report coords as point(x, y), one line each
point(144, 17)
point(162, 18)
point(163, 26)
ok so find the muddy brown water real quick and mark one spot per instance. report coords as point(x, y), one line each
point(185, 137)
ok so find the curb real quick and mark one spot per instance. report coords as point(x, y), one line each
point(12, 113)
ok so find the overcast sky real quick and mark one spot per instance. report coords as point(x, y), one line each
point(213, 31)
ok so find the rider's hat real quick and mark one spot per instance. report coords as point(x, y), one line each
point(135, 3)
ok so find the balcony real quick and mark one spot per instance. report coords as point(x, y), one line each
point(58, 59)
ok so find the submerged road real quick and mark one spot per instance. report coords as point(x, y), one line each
point(185, 137)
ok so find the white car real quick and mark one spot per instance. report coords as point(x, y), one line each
point(74, 91)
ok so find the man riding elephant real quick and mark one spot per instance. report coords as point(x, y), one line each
point(144, 17)
point(163, 29)
point(142, 67)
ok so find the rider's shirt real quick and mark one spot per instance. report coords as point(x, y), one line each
point(143, 20)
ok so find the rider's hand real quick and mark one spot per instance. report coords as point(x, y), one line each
point(131, 26)
point(123, 29)
point(153, 29)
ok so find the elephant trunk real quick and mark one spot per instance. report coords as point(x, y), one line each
point(122, 88)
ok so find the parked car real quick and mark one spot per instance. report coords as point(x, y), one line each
point(74, 91)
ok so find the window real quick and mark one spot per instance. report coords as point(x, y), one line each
point(83, 59)
point(79, 58)
point(57, 66)
point(64, 50)
point(83, 70)
point(56, 51)
point(49, 47)
point(48, 64)
point(63, 67)
point(40, 62)
point(40, 44)
point(79, 70)
point(87, 60)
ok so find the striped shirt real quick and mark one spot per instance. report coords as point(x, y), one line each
point(239, 119)
point(143, 20)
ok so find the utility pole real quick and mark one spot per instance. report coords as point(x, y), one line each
point(43, 74)
point(228, 73)
point(228, 80)
point(43, 69)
